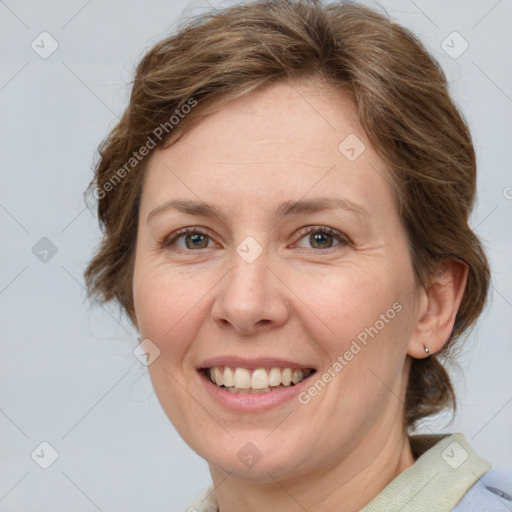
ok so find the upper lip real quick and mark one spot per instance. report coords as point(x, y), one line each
point(252, 364)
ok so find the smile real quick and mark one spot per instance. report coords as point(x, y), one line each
point(257, 381)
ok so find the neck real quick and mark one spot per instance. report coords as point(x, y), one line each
point(349, 483)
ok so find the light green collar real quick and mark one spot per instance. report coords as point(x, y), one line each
point(437, 481)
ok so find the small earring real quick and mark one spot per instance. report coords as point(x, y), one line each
point(427, 351)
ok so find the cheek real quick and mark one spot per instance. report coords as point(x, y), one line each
point(164, 307)
point(344, 302)
point(361, 325)
point(164, 298)
point(168, 306)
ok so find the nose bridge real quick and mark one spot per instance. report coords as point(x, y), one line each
point(247, 280)
point(249, 295)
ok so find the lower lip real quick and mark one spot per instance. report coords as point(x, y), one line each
point(253, 402)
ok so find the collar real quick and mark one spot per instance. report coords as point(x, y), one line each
point(444, 471)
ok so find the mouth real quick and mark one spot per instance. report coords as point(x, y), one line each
point(244, 381)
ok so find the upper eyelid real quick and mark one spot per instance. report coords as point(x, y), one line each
point(312, 228)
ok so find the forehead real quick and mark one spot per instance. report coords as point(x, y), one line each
point(284, 141)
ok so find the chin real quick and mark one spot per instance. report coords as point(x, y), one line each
point(256, 458)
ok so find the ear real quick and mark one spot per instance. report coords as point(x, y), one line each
point(437, 308)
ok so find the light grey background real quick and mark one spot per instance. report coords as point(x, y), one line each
point(67, 372)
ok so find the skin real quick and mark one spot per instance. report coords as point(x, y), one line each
point(298, 301)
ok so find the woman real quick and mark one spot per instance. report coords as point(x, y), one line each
point(285, 206)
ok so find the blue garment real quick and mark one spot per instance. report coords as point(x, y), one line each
point(492, 492)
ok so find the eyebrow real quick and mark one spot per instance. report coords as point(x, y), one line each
point(200, 208)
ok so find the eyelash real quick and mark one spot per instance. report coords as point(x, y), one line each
point(343, 240)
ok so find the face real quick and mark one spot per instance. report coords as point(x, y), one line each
point(269, 244)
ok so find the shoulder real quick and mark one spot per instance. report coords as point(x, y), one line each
point(492, 492)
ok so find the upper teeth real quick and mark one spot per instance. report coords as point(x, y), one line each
point(261, 378)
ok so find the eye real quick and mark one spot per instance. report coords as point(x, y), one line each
point(321, 237)
point(193, 239)
point(318, 237)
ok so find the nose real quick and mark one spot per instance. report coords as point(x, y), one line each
point(251, 298)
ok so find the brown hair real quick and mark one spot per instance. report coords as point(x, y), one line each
point(404, 106)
